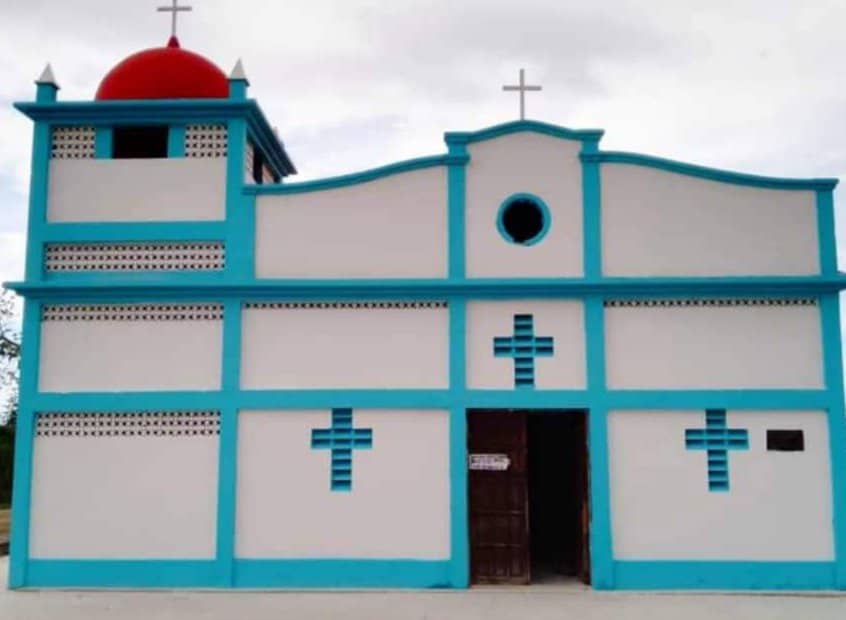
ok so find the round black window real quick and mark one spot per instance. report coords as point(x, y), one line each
point(523, 220)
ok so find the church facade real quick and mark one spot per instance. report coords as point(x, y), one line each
point(524, 357)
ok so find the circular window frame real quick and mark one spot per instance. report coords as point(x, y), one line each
point(546, 218)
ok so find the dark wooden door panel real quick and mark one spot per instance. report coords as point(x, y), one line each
point(499, 514)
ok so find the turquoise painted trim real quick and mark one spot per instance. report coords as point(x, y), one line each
point(38, 186)
point(601, 554)
point(167, 111)
point(240, 209)
point(468, 137)
point(123, 401)
point(459, 573)
point(129, 231)
point(342, 573)
point(456, 206)
point(723, 575)
point(238, 89)
point(176, 140)
point(357, 177)
point(826, 232)
point(228, 447)
point(703, 172)
point(121, 574)
point(545, 214)
point(487, 288)
point(591, 215)
point(716, 399)
point(46, 92)
point(103, 142)
point(24, 436)
point(833, 367)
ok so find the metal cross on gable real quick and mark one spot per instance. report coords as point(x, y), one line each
point(717, 439)
point(341, 439)
point(524, 347)
point(173, 9)
point(522, 88)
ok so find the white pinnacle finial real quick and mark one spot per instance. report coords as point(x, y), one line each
point(238, 72)
point(47, 76)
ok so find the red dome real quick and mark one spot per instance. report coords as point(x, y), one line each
point(164, 73)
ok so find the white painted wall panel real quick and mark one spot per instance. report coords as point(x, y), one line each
point(136, 190)
point(533, 163)
point(778, 507)
point(388, 228)
point(562, 320)
point(398, 506)
point(713, 347)
point(124, 497)
point(345, 348)
point(83, 356)
point(659, 223)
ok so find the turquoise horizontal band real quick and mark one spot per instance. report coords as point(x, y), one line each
point(167, 286)
point(467, 137)
point(724, 575)
point(715, 174)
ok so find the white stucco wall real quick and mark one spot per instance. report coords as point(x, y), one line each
point(398, 506)
point(525, 162)
point(345, 348)
point(659, 223)
point(136, 190)
point(713, 347)
point(82, 356)
point(563, 320)
point(778, 506)
point(124, 497)
point(390, 227)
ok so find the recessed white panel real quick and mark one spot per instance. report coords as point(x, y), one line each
point(561, 320)
point(135, 355)
point(532, 163)
point(398, 506)
point(778, 506)
point(136, 190)
point(124, 497)
point(680, 347)
point(388, 228)
point(659, 223)
point(342, 347)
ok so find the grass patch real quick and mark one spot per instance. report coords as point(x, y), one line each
point(5, 521)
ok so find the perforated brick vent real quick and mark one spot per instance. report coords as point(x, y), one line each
point(341, 439)
point(717, 302)
point(716, 439)
point(200, 256)
point(72, 143)
point(206, 141)
point(132, 312)
point(129, 424)
point(370, 305)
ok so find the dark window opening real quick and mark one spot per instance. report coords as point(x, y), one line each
point(139, 142)
point(786, 441)
point(523, 220)
point(258, 164)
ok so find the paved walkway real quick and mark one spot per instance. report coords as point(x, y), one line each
point(535, 603)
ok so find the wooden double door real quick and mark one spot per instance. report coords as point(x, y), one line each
point(527, 495)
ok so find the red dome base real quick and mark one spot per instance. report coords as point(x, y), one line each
point(164, 73)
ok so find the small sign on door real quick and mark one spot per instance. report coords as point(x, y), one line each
point(489, 462)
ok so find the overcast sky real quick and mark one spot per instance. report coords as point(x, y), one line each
point(753, 86)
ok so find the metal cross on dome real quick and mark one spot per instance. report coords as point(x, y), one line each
point(522, 88)
point(173, 9)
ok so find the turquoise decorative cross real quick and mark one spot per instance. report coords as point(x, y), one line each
point(524, 347)
point(717, 440)
point(341, 439)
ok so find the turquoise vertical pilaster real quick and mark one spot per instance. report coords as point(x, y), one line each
point(24, 444)
point(456, 202)
point(833, 367)
point(38, 185)
point(826, 232)
point(176, 140)
point(591, 217)
point(228, 452)
point(103, 142)
point(459, 517)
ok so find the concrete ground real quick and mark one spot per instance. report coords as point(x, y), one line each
point(489, 603)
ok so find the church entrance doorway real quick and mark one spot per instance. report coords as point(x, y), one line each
point(528, 496)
